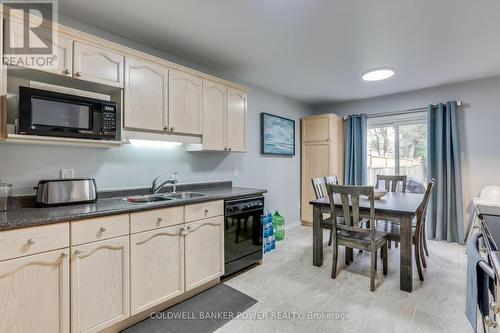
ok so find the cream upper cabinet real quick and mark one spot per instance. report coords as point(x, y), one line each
point(62, 48)
point(214, 116)
point(35, 293)
point(98, 65)
point(185, 103)
point(236, 120)
point(146, 95)
point(100, 286)
point(204, 250)
point(157, 267)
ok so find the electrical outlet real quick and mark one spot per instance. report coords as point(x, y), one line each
point(236, 171)
point(67, 173)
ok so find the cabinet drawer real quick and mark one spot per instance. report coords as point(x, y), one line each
point(154, 219)
point(26, 241)
point(92, 230)
point(203, 210)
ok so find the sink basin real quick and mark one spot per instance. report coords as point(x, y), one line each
point(147, 198)
point(186, 195)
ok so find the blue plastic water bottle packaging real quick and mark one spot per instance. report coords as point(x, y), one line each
point(269, 242)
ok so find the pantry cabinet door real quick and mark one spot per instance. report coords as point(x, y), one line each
point(98, 65)
point(204, 244)
point(185, 103)
point(236, 120)
point(99, 284)
point(157, 267)
point(214, 116)
point(146, 95)
point(35, 293)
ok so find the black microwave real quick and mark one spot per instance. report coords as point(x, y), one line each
point(49, 113)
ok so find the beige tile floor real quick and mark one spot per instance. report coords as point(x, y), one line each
point(288, 285)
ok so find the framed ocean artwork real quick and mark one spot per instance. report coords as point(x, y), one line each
point(277, 135)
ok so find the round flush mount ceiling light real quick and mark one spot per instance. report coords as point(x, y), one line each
point(378, 74)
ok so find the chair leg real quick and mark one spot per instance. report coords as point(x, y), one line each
point(424, 238)
point(385, 261)
point(347, 256)
point(417, 255)
point(421, 250)
point(330, 239)
point(376, 261)
point(335, 257)
point(389, 244)
point(351, 254)
point(373, 269)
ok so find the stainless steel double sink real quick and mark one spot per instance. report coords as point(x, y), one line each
point(160, 197)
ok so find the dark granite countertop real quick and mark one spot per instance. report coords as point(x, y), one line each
point(22, 217)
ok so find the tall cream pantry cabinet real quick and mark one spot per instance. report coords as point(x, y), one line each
point(322, 155)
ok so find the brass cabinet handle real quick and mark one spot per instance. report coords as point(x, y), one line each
point(206, 211)
point(494, 307)
point(225, 148)
point(229, 149)
point(172, 129)
point(102, 229)
point(165, 128)
point(63, 255)
point(30, 242)
point(67, 71)
point(77, 252)
point(78, 74)
point(158, 221)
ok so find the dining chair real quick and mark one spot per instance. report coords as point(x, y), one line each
point(419, 239)
point(320, 192)
point(350, 234)
point(391, 183)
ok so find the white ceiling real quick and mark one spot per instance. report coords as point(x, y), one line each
point(314, 50)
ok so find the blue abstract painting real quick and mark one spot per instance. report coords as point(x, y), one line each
point(277, 135)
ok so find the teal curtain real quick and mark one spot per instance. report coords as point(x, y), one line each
point(445, 214)
point(355, 164)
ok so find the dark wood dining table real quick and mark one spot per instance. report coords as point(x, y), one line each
point(395, 207)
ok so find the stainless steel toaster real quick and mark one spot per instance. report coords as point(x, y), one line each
point(66, 191)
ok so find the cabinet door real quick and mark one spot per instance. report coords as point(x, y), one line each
point(236, 120)
point(99, 284)
point(214, 116)
point(97, 65)
point(62, 49)
point(185, 108)
point(146, 89)
point(157, 267)
point(316, 162)
point(204, 245)
point(35, 293)
point(317, 128)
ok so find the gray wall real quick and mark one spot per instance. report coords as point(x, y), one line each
point(479, 126)
point(24, 165)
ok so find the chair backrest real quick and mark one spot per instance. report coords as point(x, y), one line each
point(391, 182)
point(348, 198)
point(334, 180)
point(319, 187)
point(421, 213)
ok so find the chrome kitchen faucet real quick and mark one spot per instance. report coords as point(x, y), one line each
point(172, 181)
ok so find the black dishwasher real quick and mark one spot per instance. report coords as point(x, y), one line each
point(242, 233)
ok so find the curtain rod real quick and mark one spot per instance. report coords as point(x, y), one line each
point(407, 111)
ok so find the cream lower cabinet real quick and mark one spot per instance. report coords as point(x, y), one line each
point(204, 251)
point(157, 267)
point(34, 293)
point(100, 286)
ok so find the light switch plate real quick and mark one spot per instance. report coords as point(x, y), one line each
point(67, 173)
